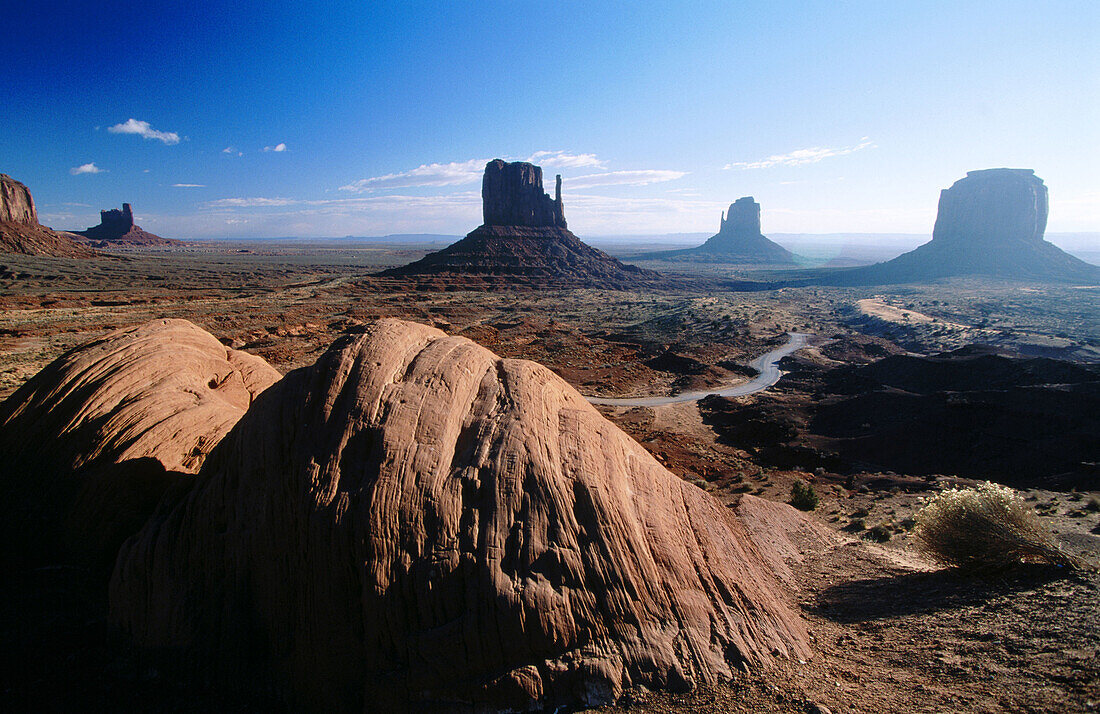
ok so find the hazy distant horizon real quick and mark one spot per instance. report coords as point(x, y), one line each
point(341, 119)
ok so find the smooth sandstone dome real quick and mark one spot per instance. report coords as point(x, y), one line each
point(413, 522)
point(92, 440)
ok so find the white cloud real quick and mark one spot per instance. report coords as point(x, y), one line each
point(799, 157)
point(625, 178)
point(231, 150)
point(142, 129)
point(450, 174)
point(280, 147)
point(564, 160)
point(255, 202)
point(188, 185)
point(86, 169)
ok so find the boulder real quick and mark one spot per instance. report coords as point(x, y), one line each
point(415, 523)
point(92, 441)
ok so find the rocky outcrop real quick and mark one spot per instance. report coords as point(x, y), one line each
point(738, 240)
point(116, 228)
point(20, 231)
point(415, 523)
point(524, 240)
point(990, 223)
point(511, 195)
point(92, 441)
point(16, 204)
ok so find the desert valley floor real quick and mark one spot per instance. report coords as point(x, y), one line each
point(891, 632)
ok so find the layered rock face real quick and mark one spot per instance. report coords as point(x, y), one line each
point(415, 523)
point(738, 241)
point(16, 204)
point(990, 223)
point(116, 227)
point(20, 231)
point(91, 442)
point(511, 195)
point(524, 240)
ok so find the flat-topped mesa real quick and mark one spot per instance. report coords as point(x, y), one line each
point(743, 217)
point(16, 204)
point(991, 224)
point(993, 206)
point(512, 195)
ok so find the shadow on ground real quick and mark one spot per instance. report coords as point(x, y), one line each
point(912, 593)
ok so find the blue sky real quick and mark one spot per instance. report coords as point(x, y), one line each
point(332, 119)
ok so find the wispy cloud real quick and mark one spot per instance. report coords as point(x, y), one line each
point(86, 169)
point(280, 147)
point(188, 185)
point(642, 177)
point(230, 150)
point(799, 157)
point(251, 202)
point(142, 129)
point(454, 173)
point(564, 160)
point(458, 173)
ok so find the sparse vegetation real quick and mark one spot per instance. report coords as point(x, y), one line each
point(880, 533)
point(803, 496)
point(985, 528)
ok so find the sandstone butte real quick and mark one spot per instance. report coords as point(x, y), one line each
point(524, 239)
point(20, 231)
point(415, 523)
point(738, 240)
point(92, 441)
point(117, 228)
point(990, 223)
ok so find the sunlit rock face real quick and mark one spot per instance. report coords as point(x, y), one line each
point(20, 231)
point(416, 523)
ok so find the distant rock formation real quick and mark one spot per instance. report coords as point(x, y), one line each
point(117, 228)
point(20, 231)
point(524, 239)
point(990, 223)
point(414, 524)
point(738, 240)
point(91, 442)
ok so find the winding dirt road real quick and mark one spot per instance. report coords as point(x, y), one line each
point(767, 364)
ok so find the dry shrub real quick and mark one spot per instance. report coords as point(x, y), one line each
point(985, 528)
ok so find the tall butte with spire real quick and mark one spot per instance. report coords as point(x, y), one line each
point(117, 228)
point(524, 240)
point(738, 240)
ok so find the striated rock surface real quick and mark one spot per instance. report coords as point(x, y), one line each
point(524, 240)
point(990, 223)
point(117, 227)
point(20, 231)
point(92, 441)
point(415, 523)
point(16, 204)
point(738, 240)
